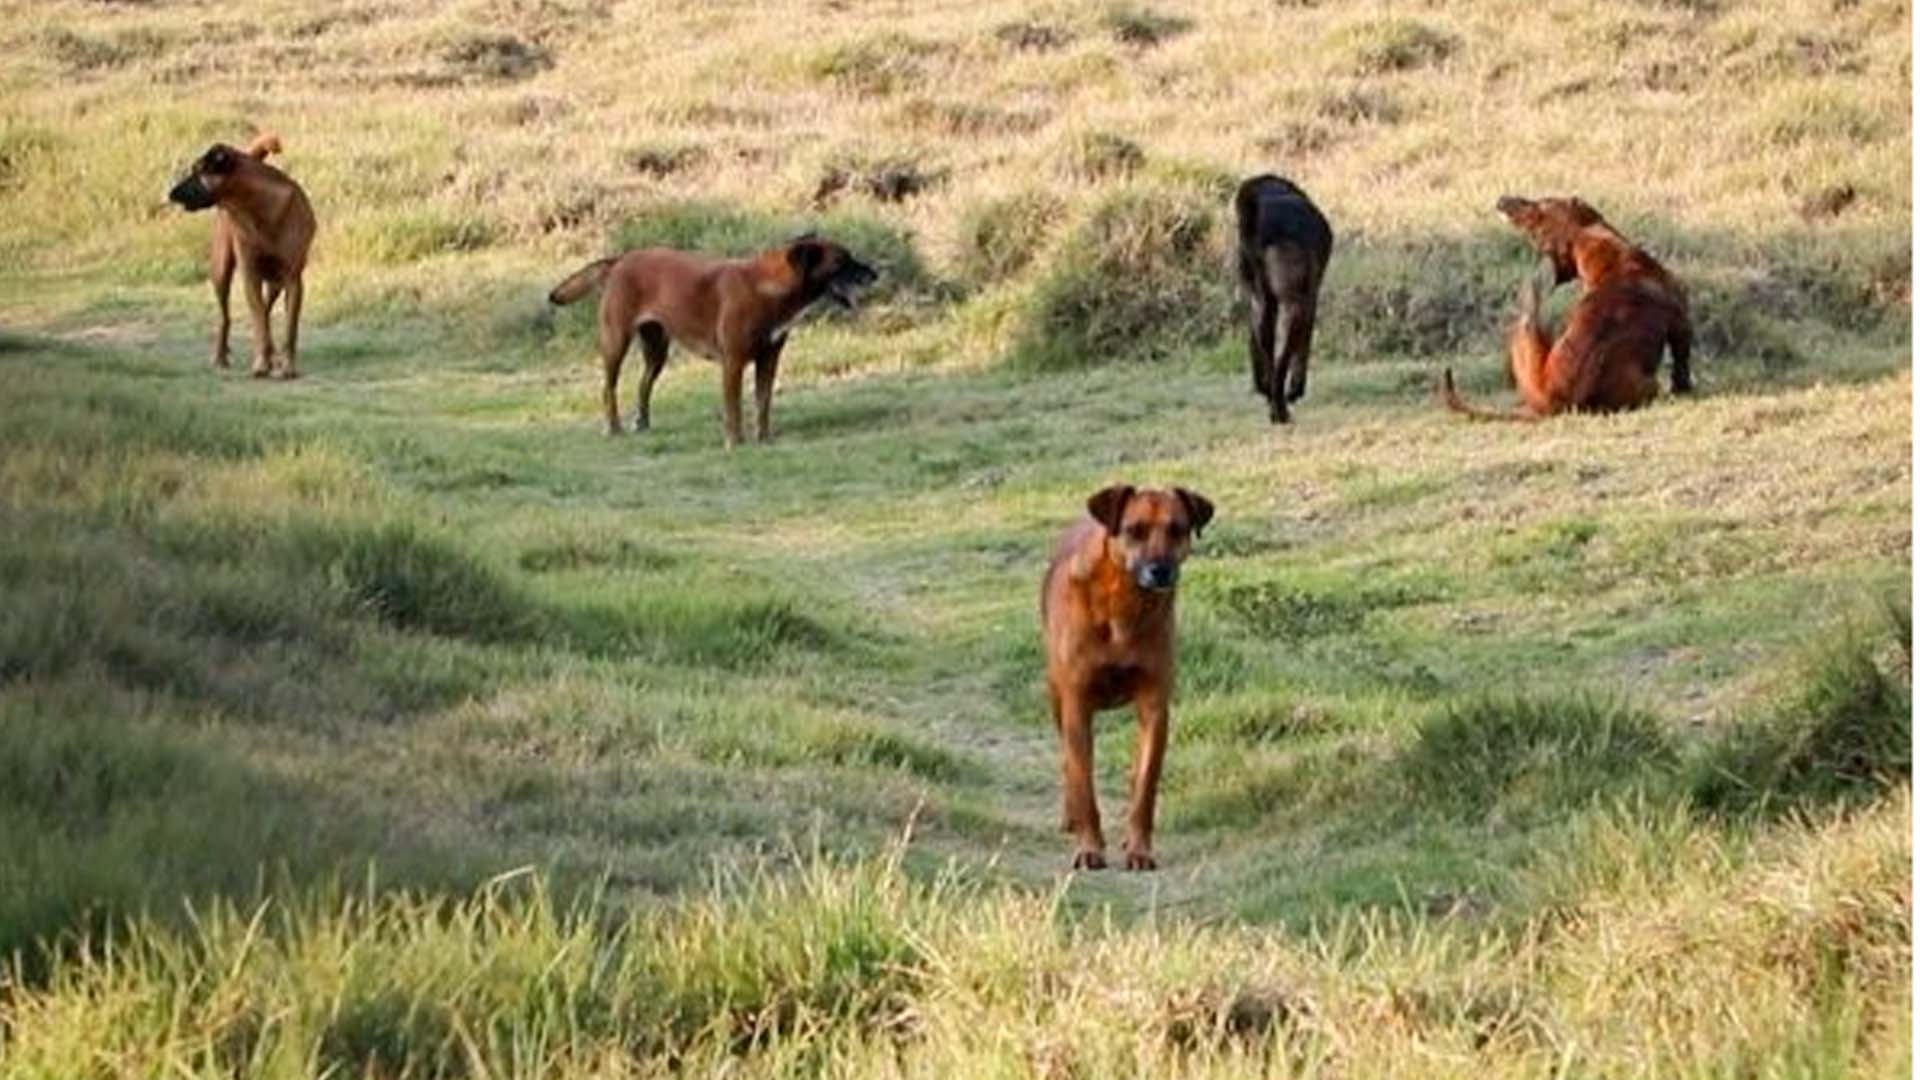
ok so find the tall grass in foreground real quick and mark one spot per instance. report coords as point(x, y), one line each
point(1667, 952)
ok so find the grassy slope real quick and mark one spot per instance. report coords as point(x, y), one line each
point(412, 607)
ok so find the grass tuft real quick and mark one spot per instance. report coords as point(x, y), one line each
point(414, 581)
point(1382, 45)
point(1139, 279)
point(1002, 236)
point(1844, 733)
point(1133, 24)
point(1101, 155)
point(1528, 755)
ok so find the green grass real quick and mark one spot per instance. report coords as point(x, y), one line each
point(395, 722)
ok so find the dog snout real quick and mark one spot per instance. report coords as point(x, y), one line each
point(1159, 574)
point(191, 193)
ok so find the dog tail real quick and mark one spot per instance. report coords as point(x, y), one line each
point(1451, 398)
point(581, 281)
point(265, 145)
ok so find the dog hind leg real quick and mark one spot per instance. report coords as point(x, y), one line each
point(615, 339)
point(1260, 343)
point(296, 294)
point(252, 289)
point(653, 348)
point(1528, 350)
point(1299, 348)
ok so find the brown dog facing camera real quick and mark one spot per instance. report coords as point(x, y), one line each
point(1608, 354)
point(262, 227)
point(1106, 609)
point(736, 311)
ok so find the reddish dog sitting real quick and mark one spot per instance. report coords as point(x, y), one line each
point(1106, 607)
point(1609, 354)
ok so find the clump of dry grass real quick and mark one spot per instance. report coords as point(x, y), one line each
point(1382, 45)
point(1663, 952)
point(1138, 278)
point(1100, 155)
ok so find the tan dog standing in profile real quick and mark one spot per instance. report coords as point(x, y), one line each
point(1106, 608)
point(736, 311)
point(262, 227)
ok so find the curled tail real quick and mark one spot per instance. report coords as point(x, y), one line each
point(581, 281)
point(265, 145)
point(1451, 398)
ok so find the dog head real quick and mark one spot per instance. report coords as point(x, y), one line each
point(1551, 225)
point(826, 268)
point(200, 188)
point(1150, 532)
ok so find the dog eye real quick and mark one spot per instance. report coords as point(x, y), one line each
point(1136, 531)
point(1178, 532)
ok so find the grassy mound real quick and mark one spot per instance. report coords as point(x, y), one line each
point(1141, 277)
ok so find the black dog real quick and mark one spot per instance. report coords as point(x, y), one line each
point(1285, 243)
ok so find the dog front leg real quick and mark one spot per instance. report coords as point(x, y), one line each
point(765, 367)
point(733, 373)
point(1076, 778)
point(1149, 751)
point(252, 288)
point(222, 276)
point(1680, 342)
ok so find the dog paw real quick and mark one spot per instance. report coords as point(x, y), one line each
point(260, 372)
point(1141, 860)
point(1089, 860)
point(1295, 393)
point(287, 374)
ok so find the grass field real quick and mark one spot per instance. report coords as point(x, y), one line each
point(395, 722)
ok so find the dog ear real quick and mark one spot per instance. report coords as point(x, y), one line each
point(1199, 508)
point(1586, 214)
point(1107, 504)
point(804, 254)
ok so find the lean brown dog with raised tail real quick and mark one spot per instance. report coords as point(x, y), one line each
point(736, 311)
point(1608, 356)
point(1106, 609)
point(262, 227)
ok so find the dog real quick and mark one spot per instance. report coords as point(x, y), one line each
point(1607, 358)
point(1106, 612)
point(263, 226)
point(1284, 245)
point(736, 311)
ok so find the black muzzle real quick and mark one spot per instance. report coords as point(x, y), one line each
point(1159, 575)
point(191, 193)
